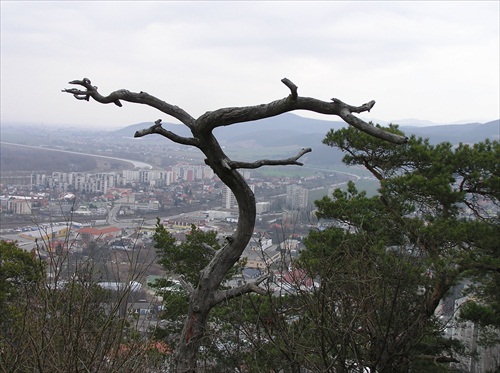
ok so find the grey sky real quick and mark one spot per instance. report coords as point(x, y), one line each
point(437, 61)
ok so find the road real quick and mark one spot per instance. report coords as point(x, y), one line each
point(136, 164)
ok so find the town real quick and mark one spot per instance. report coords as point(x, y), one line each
point(66, 213)
point(105, 220)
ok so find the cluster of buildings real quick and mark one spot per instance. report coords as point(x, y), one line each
point(100, 182)
point(146, 190)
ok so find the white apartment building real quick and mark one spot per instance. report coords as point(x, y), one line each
point(296, 197)
point(262, 207)
point(20, 206)
point(228, 198)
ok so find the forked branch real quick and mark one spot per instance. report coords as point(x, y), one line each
point(251, 287)
point(124, 95)
point(227, 116)
point(186, 285)
point(270, 162)
point(157, 128)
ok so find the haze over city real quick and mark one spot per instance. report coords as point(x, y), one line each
point(435, 61)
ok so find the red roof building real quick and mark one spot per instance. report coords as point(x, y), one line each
point(94, 233)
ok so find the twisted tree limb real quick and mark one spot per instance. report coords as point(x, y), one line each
point(124, 95)
point(186, 285)
point(228, 116)
point(251, 287)
point(158, 129)
point(270, 162)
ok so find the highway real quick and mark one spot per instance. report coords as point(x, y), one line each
point(136, 164)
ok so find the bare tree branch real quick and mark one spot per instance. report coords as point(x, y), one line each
point(292, 86)
point(209, 248)
point(346, 111)
point(251, 287)
point(269, 162)
point(157, 128)
point(186, 284)
point(228, 116)
point(125, 95)
point(232, 115)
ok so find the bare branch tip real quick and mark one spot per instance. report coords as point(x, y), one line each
point(293, 88)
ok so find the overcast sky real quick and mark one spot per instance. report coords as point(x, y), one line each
point(436, 61)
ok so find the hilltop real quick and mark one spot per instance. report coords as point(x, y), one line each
point(280, 136)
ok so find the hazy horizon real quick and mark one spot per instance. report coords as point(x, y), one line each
point(403, 122)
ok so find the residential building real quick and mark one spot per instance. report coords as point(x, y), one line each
point(262, 207)
point(228, 198)
point(296, 197)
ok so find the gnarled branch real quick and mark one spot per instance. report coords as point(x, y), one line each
point(186, 284)
point(293, 88)
point(251, 287)
point(232, 115)
point(228, 116)
point(157, 128)
point(270, 162)
point(207, 294)
point(345, 112)
point(209, 248)
point(125, 95)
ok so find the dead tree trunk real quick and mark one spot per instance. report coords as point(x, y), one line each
point(207, 294)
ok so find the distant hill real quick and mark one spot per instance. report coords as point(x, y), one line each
point(456, 133)
point(290, 129)
point(284, 135)
point(288, 126)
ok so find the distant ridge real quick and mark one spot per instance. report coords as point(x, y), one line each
point(285, 134)
point(291, 129)
point(456, 133)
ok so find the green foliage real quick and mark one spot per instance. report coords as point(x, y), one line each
point(17, 267)
point(19, 271)
point(386, 261)
point(486, 315)
point(367, 297)
point(186, 258)
point(380, 269)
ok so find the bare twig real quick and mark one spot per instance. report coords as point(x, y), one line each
point(269, 162)
point(209, 248)
point(345, 112)
point(251, 287)
point(125, 95)
point(293, 88)
point(186, 284)
point(158, 129)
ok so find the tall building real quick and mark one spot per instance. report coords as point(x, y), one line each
point(296, 197)
point(228, 198)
